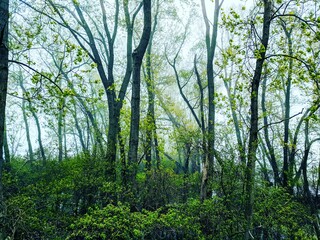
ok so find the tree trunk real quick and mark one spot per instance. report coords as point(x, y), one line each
point(6, 146)
point(43, 155)
point(25, 119)
point(60, 126)
point(151, 122)
point(236, 125)
point(150, 111)
point(287, 170)
point(79, 130)
point(207, 174)
point(65, 139)
point(4, 52)
point(137, 57)
point(270, 153)
point(254, 108)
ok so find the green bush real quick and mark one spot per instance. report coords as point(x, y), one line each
point(111, 222)
point(117, 222)
point(277, 214)
point(172, 224)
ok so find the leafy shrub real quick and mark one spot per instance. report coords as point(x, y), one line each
point(172, 224)
point(111, 222)
point(117, 222)
point(278, 215)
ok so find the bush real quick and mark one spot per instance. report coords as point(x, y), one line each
point(278, 215)
point(117, 222)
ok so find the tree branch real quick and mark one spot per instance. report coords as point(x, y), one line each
point(273, 123)
point(36, 71)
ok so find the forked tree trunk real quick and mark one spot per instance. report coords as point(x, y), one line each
point(137, 56)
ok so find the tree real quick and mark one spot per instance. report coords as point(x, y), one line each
point(4, 52)
point(137, 56)
point(151, 128)
point(25, 117)
point(254, 110)
point(211, 42)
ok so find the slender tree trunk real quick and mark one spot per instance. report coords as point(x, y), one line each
point(207, 174)
point(307, 193)
point(6, 146)
point(65, 139)
point(235, 120)
point(270, 153)
point(25, 119)
point(122, 159)
point(151, 135)
point(4, 52)
point(287, 170)
point(307, 146)
point(150, 111)
point(60, 128)
point(254, 108)
point(311, 110)
point(74, 135)
point(137, 57)
point(33, 112)
point(36, 119)
point(202, 117)
point(79, 130)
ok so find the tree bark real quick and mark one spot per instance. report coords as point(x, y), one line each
point(137, 57)
point(6, 146)
point(254, 109)
point(25, 119)
point(79, 130)
point(4, 69)
point(211, 42)
point(36, 119)
point(60, 128)
point(287, 170)
point(151, 122)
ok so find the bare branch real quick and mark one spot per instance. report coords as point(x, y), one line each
point(273, 123)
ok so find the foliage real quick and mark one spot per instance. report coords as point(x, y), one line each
point(70, 200)
point(111, 222)
point(117, 222)
point(279, 214)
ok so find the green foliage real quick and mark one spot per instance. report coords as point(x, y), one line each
point(72, 200)
point(117, 222)
point(111, 222)
point(277, 213)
